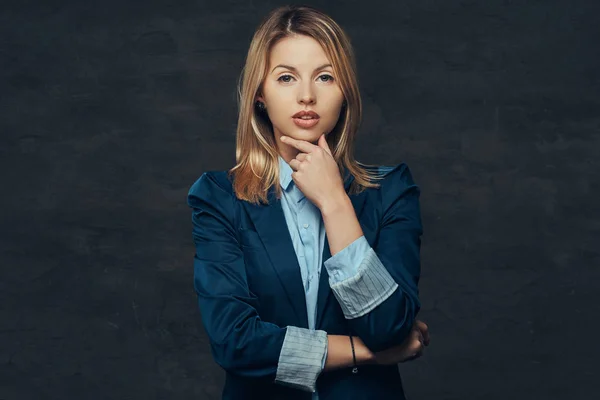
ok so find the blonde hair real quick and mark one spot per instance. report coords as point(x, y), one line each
point(257, 163)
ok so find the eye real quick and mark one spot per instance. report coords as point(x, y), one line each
point(280, 79)
point(283, 76)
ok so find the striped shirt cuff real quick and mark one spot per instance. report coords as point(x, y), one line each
point(371, 286)
point(301, 358)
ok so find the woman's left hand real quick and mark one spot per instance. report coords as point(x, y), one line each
point(315, 171)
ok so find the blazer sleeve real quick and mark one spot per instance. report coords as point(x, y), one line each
point(241, 343)
point(381, 300)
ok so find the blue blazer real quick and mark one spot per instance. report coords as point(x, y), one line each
point(249, 288)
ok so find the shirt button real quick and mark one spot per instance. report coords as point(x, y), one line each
point(305, 226)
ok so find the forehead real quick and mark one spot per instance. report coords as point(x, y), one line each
point(300, 51)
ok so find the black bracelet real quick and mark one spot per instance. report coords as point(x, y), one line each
point(355, 369)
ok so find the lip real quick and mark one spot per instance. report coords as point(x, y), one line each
point(303, 113)
point(306, 123)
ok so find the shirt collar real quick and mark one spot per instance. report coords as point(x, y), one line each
point(285, 174)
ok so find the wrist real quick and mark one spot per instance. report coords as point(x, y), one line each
point(364, 356)
point(335, 204)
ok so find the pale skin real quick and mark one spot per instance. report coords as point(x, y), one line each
point(300, 77)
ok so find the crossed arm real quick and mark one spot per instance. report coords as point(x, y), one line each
point(377, 292)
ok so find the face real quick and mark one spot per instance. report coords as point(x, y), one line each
point(300, 78)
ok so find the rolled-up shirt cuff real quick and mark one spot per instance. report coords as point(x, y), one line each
point(302, 358)
point(344, 264)
point(369, 287)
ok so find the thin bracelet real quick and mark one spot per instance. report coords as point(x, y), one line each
point(355, 369)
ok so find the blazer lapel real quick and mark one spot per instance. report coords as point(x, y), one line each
point(269, 221)
point(270, 224)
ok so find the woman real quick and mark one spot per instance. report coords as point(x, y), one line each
point(297, 219)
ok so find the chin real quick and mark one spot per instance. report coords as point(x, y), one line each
point(310, 138)
point(304, 134)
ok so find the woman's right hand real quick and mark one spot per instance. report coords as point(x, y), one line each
point(410, 349)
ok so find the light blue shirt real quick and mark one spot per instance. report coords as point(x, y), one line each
point(307, 231)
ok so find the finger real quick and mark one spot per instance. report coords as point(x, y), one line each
point(301, 145)
point(426, 337)
point(420, 347)
point(413, 357)
point(421, 338)
point(416, 341)
point(295, 164)
point(303, 156)
point(424, 330)
point(421, 325)
point(323, 144)
point(417, 337)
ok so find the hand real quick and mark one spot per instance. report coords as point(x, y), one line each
point(315, 171)
point(412, 347)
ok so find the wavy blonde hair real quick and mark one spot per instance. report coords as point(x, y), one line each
point(257, 163)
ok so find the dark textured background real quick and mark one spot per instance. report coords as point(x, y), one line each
point(110, 111)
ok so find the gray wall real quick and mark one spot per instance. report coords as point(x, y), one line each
point(109, 112)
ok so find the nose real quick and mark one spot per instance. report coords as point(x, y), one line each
point(306, 94)
point(307, 100)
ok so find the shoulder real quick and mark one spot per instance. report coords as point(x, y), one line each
point(396, 181)
point(211, 185)
point(394, 178)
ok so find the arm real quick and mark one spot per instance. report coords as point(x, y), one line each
point(380, 299)
point(355, 261)
point(339, 353)
point(241, 342)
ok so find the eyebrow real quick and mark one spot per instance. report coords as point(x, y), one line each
point(295, 70)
